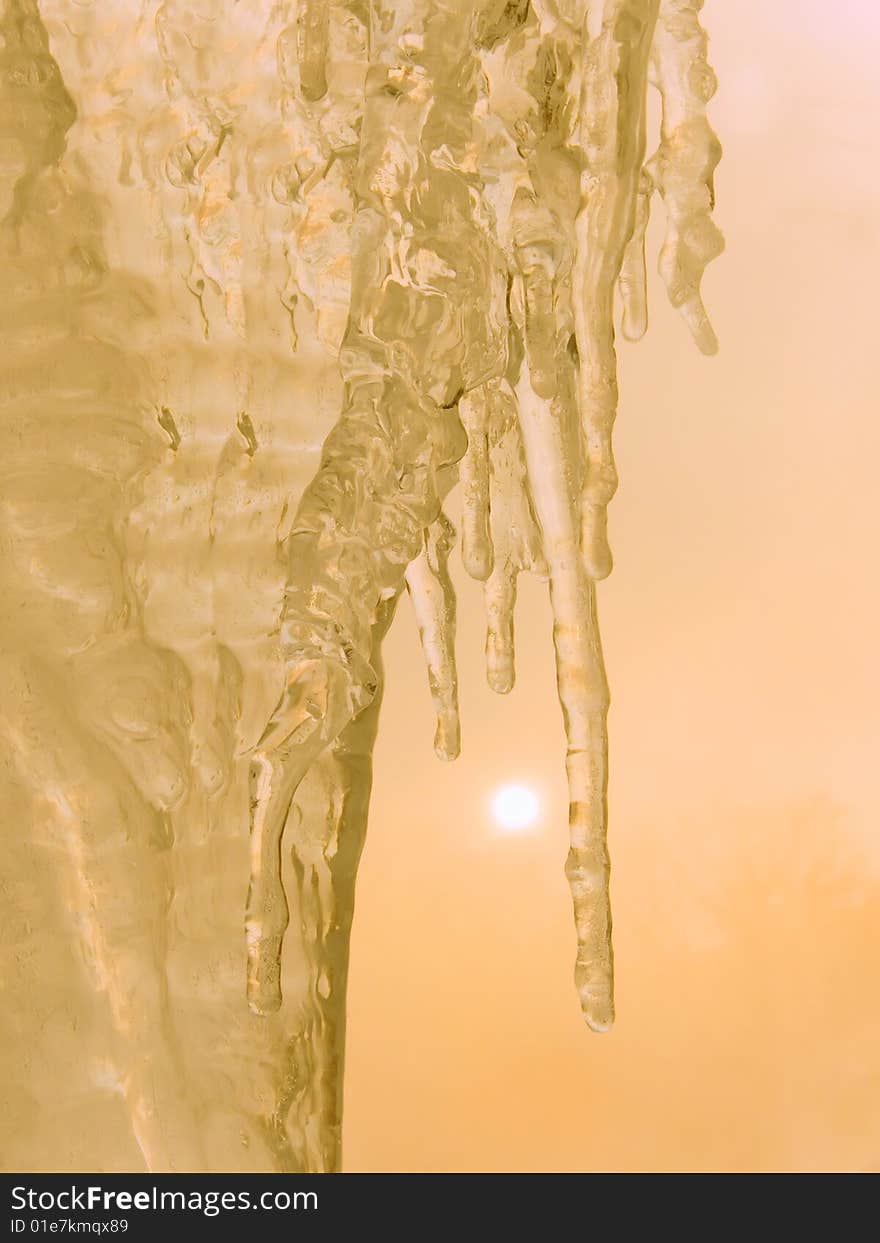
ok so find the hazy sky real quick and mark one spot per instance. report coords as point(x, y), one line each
point(740, 634)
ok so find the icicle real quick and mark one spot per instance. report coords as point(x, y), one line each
point(500, 598)
point(499, 536)
point(686, 161)
point(327, 839)
point(612, 134)
point(433, 598)
point(476, 540)
point(514, 535)
point(318, 702)
point(633, 281)
point(583, 693)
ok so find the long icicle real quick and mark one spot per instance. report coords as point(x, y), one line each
point(686, 161)
point(583, 694)
point(612, 136)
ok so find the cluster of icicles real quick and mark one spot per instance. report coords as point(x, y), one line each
point(502, 197)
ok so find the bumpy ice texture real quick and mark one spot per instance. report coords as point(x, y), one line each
point(276, 277)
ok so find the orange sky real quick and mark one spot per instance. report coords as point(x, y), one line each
point(740, 634)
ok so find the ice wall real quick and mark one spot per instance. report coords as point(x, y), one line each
point(277, 276)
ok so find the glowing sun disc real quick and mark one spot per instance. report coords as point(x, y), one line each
point(515, 807)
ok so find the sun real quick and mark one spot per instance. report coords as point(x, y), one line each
point(515, 807)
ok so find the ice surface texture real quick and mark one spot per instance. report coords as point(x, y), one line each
point(278, 276)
